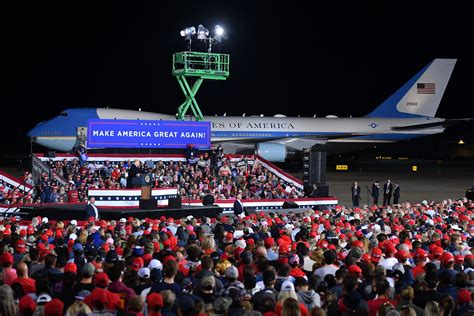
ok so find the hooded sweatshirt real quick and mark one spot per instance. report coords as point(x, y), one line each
point(309, 298)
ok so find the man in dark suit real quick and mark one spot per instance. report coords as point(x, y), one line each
point(91, 209)
point(387, 192)
point(134, 172)
point(396, 193)
point(355, 194)
point(239, 206)
point(376, 192)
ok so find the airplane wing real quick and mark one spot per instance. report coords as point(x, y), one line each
point(444, 123)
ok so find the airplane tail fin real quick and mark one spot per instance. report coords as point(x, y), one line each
point(421, 95)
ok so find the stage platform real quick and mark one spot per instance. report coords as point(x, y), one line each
point(78, 212)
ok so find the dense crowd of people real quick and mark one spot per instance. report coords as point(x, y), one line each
point(194, 178)
point(393, 260)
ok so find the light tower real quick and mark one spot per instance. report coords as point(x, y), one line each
point(199, 66)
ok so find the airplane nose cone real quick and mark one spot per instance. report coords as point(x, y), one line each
point(35, 131)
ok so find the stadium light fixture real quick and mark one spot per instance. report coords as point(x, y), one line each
point(188, 34)
point(202, 33)
point(219, 33)
point(219, 30)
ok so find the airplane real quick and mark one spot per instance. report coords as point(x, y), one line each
point(408, 113)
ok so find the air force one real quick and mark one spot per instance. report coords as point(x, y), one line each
point(406, 114)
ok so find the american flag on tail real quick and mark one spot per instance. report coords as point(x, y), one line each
point(425, 88)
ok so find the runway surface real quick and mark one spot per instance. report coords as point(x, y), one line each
point(433, 181)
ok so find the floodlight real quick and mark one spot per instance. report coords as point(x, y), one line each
point(218, 30)
point(188, 32)
point(219, 33)
point(202, 32)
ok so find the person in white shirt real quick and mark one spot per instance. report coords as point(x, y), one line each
point(330, 267)
point(389, 260)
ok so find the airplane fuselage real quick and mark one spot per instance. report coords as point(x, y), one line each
point(60, 133)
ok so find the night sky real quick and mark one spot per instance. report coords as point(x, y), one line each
point(288, 57)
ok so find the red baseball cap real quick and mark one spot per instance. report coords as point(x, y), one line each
point(390, 249)
point(7, 258)
point(357, 243)
point(366, 257)
point(323, 244)
point(20, 246)
point(269, 242)
point(447, 258)
point(437, 252)
point(27, 304)
point(70, 267)
point(99, 295)
point(101, 280)
point(403, 254)
point(154, 300)
point(459, 259)
point(464, 296)
point(54, 308)
point(137, 263)
point(355, 269)
point(376, 255)
point(421, 254)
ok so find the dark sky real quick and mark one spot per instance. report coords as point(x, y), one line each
point(289, 57)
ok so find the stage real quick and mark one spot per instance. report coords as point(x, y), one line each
point(77, 211)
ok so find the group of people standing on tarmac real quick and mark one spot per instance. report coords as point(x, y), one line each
point(389, 190)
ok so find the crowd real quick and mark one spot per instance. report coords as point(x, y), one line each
point(220, 177)
point(394, 260)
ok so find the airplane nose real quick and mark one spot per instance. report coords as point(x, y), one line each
point(35, 131)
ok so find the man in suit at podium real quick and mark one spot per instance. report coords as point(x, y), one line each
point(91, 209)
point(134, 173)
point(239, 206)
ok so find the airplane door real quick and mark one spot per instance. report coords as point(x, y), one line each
point(81, 134)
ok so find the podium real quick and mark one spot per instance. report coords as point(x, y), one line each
point(147, 202)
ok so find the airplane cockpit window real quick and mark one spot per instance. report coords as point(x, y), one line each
point(63, 113)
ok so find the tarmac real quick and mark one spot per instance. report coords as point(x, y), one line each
point(433, 180)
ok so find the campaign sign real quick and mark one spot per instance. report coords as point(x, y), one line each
point(147, 134)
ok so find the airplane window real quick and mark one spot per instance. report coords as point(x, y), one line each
point(63, 114)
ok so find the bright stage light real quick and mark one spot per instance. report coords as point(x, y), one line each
point(188, 32)
point(202, 32)
point(219, 30)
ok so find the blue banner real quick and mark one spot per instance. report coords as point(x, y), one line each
point(147, 134)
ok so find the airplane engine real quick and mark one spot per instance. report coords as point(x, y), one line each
point(272, 152)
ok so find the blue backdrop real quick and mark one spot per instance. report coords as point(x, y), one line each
point(147, 134)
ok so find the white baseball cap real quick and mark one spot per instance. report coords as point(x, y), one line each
point(74, 222)
point(73, 236)
point(144, 273)
point(287, 286)
point(43, 299)
point(155, 264)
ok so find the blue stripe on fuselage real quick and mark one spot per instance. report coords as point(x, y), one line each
point(263, 135)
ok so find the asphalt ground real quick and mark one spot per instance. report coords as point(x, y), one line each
point(433, 180)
